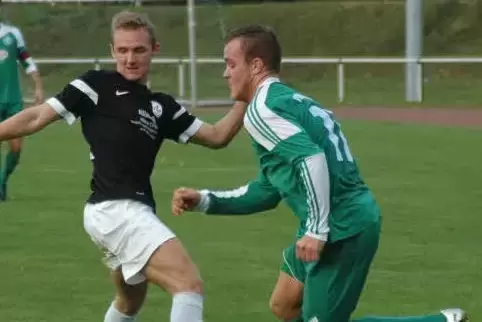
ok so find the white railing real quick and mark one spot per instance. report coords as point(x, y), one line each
point(72, 1)
point(340, 62)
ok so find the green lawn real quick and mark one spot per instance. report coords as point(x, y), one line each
point(427, 180)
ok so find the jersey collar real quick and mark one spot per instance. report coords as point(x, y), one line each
point(269, 80)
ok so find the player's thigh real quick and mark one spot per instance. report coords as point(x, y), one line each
point(172, 268)
point(129, 298)
point(292, 265)
point(128, 232)
point(333, 285)
point(287, 293)
point(287, 296)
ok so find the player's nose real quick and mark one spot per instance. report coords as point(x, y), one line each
point(130, 58)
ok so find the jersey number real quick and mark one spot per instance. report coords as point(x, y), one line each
point(334, 138)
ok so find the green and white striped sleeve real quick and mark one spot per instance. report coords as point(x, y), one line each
point(280, 134)
point(257, 196)
point(23, 56)
point(315, 177)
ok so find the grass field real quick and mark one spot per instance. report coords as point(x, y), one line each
point(427, 180)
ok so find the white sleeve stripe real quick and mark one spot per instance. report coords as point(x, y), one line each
point(19, 37)
point(181, 111)
point(61, 110)
point(86, 89)
point(31, 66)
point(195, 126)
point(317, 170)
point(312, 206)
point(267, 127)
point(234, 193)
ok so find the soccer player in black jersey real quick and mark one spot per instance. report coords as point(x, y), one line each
point(125, 124)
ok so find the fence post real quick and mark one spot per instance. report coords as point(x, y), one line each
point(419, 81)
point(341, 81)
point(181, 79)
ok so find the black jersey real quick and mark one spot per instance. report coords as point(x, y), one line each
point(124, 124)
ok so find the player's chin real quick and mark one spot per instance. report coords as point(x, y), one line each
point(133, 75)
point(235, 95)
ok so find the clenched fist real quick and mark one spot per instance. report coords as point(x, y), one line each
point(308, 249)
point(184, 199)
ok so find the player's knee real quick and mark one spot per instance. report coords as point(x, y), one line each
point(191, 283)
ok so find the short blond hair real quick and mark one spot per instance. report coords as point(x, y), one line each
point(130, 20)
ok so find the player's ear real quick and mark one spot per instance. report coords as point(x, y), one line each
point(156, 47)
point(256, 66)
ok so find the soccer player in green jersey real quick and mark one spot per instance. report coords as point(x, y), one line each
point(305, 160)
point(12, 51)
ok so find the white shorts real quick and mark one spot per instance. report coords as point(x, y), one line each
point(129, 233)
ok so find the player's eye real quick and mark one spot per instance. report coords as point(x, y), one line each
point(140, 50)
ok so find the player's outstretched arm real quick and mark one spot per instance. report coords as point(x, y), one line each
point(257, 196)
point(37, 80)
point(220, 134)
point(27, 122)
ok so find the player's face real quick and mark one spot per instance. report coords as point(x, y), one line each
point(238, 72)
point(133, 51)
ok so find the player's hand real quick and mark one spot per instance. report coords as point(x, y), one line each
point(39, 96)
point(308, 249)
point(184, 199)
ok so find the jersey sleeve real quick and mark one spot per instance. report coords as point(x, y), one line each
point(78, 98)
point(256, 196)
point(281, 133)
point(183, 124)
point(23, 56)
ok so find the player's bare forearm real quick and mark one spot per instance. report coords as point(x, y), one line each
point(231, 123)
point(222, 133)
point(27, 122)
point(37, 80)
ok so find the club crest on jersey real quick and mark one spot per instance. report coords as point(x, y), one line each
point(3, 55)
point(7, 40)
point(156, 109)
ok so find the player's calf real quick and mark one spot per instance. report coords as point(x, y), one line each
point(129, 298)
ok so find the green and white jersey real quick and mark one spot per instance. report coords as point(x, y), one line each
point(305, 160)
point(12, 50)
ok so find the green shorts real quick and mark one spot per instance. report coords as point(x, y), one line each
point(333, 285)
point(9, 109)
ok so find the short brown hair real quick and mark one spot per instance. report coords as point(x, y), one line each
point(133, 20)
point(259, 41)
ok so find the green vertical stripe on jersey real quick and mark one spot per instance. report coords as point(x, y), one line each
point(314, 210)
